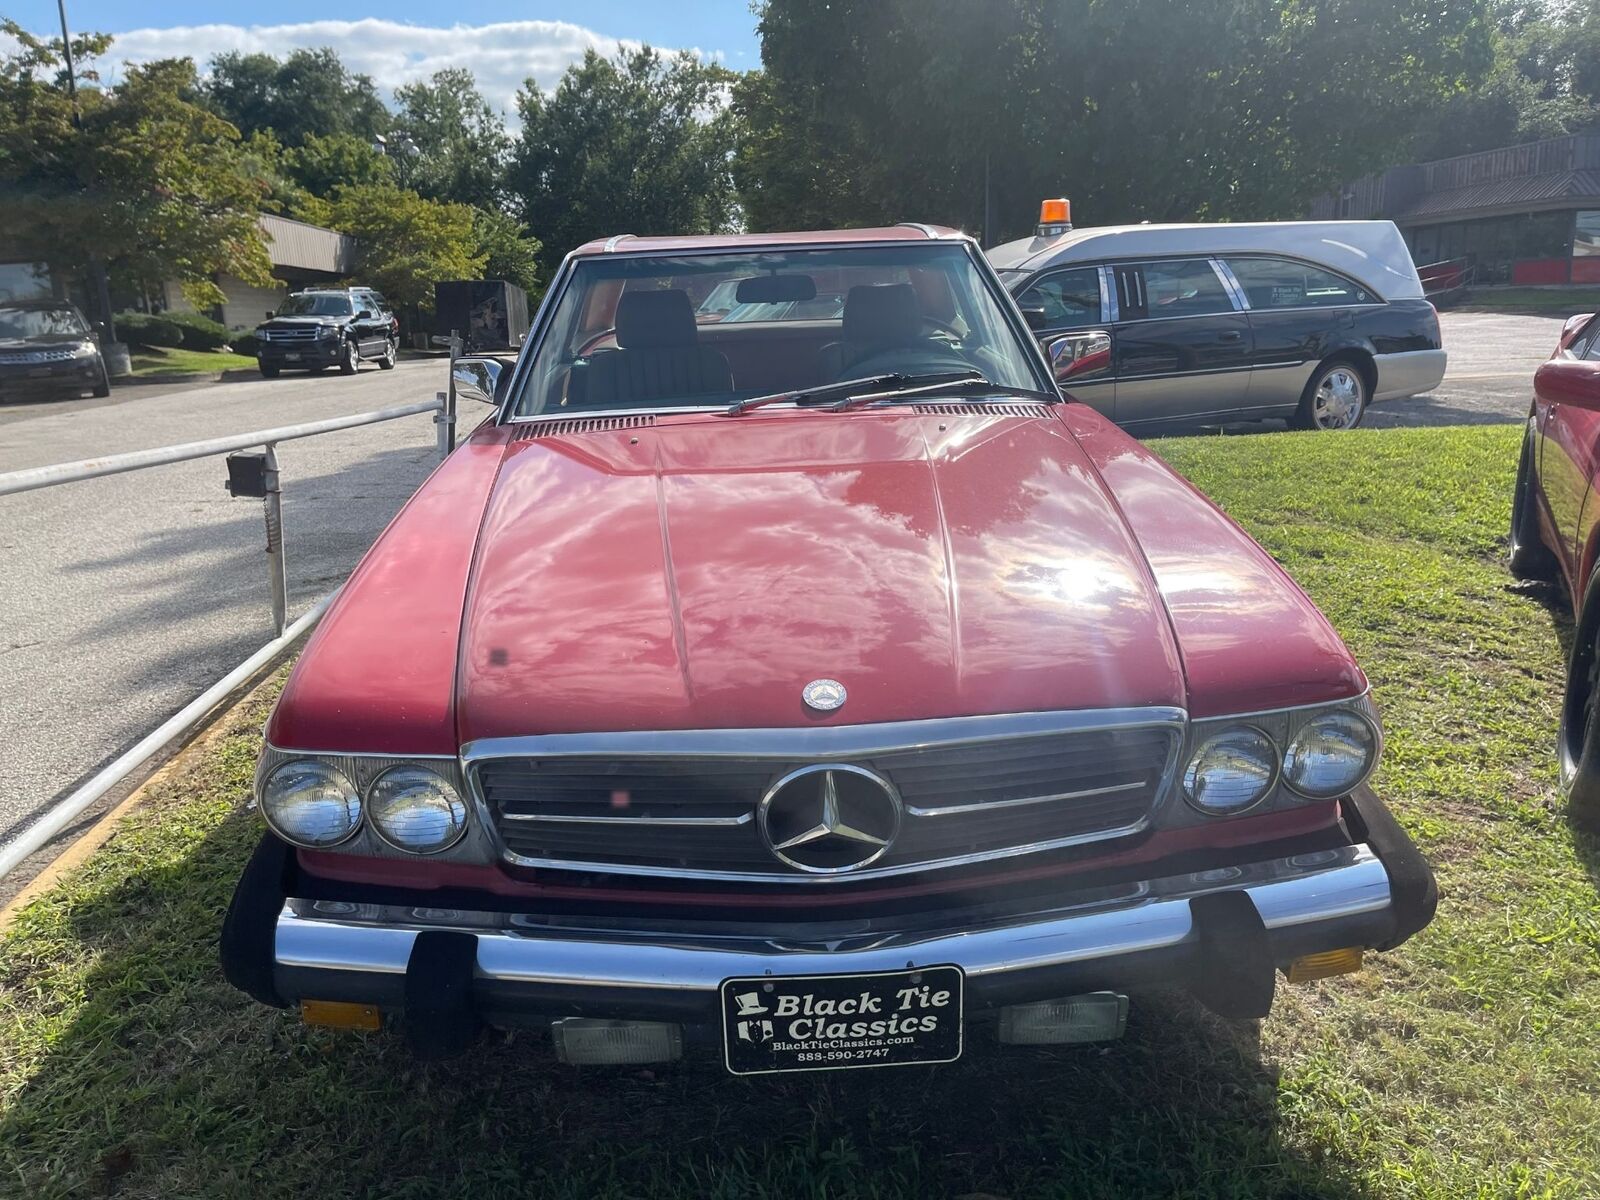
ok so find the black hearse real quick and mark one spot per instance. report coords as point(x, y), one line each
point(1308, 321)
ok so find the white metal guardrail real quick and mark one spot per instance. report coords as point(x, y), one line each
point(67, 810)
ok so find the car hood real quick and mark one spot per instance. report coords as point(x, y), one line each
point(697, 571)
point(45, 341)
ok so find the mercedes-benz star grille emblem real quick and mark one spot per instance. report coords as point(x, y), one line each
point(829, 818)
point(824, 695)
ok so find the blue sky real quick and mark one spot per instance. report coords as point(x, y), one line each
point(405, 39)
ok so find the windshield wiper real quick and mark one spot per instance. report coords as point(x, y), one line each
point(826, 391)
point(924, 386)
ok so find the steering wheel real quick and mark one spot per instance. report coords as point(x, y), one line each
point(912, 360)
point(942, 327)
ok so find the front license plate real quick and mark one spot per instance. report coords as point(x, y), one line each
point(774, 1024)
point(38, 372)
point(292, 357)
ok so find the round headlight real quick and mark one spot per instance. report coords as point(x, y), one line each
point(1330, 754)
point(1231, 771)
point(310, 804)
point(415, 810)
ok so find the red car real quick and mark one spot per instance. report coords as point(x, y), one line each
point(822, 690)
point(1554, 535)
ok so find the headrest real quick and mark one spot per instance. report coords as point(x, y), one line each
point(887, 314)
point(655, 320)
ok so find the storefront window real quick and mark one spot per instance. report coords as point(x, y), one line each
point(1586, 241)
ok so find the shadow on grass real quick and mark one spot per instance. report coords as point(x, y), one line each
point(1552, 597)
point(162, 1081)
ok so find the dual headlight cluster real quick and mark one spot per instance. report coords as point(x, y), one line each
point(312, 803)
point(1324, 754)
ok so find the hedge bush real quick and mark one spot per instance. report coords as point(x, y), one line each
point(244, 342)
point(143, 329)
point(199, 333)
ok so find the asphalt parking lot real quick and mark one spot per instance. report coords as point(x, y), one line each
point(1490, 376)
point(126, 596)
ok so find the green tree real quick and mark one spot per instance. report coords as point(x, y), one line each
point(308, 92)
point(641, 143)
point(150, 183)
point(457, 143)
point(1544, 82)
point(320, 165)
point(507, 250)
point(882, 110)
point(407, 243)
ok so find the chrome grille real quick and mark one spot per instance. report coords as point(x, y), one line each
point(695, 813)
point(301, 333)
point(37, 356)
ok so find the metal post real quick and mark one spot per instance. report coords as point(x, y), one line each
point(445, 418)
point(275, 571)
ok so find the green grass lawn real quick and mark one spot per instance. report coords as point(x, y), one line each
point(156, 360)
point(1555, 302)
point(1465, 1064)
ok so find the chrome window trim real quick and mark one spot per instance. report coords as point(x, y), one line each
point(1108, 295)
point(1240, 301)
point(1010, 315)
point(822, 743)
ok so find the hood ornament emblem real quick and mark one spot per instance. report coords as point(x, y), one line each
point(824, 695)
point(829, 818)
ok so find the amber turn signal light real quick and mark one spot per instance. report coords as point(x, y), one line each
point(340, 1014)
point(1321, 966)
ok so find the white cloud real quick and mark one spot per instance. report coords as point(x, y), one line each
point(501, 56)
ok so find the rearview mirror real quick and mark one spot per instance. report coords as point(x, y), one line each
point(776, 289)
point(364, 315)
point(1080, 357)
point(481, 379)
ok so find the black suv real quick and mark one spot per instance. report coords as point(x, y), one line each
point(327, 327)
point(46, 347)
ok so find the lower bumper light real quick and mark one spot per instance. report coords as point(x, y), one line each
point(340, 1014)
point(588, 1041)
point(1321, 966)
point(1092, 1017)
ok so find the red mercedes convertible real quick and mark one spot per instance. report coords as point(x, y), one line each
point(1555, 535)
point(816, 690)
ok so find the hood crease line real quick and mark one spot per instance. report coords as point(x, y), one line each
point(680, 636)
point(952, 586)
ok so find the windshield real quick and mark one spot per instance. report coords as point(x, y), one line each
point(40, 322)
point(315, 305)
point(712, 329)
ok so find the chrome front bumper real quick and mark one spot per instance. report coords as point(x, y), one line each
point(1112, 937)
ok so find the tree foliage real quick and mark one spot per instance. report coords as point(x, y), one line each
point(508, 251)
point(881, 110)
point(407, 243)
point(321, 165)
point(640, 143)
point(457, 143)
point(154, 185)
point(1544, 82)
point(308, 92)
